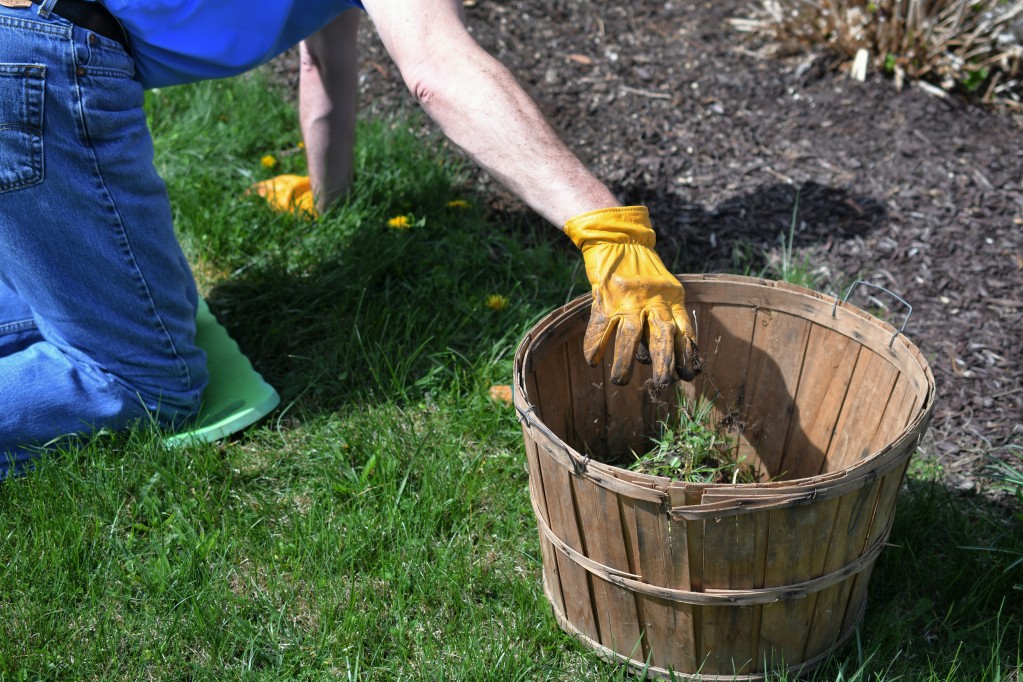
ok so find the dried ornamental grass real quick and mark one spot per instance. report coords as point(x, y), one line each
point(958, 45)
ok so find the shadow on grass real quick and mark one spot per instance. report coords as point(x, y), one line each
point(389, 313)
point(942, 602)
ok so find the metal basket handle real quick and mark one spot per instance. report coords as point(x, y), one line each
point(852, 287)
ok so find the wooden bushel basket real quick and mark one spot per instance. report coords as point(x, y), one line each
point(723, 581)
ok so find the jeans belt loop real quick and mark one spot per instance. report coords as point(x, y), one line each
point(46, 8)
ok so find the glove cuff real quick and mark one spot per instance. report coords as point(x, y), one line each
point(621, 225)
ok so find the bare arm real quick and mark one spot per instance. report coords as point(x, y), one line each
point(328, 88)
point(481, 108)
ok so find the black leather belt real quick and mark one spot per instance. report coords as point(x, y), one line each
point(92, 16)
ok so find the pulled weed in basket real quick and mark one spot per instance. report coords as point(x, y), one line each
point(693, 449)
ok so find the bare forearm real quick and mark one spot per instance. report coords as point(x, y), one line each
point(482, 109)
point(328, 81)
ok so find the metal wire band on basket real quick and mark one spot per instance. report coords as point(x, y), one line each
point(713, 597)
point(613, 656)
point(744, 501)
point(580, 465)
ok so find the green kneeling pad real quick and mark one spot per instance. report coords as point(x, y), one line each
point(236, 396)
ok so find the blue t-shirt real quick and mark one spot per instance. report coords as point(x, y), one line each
point(179, 41)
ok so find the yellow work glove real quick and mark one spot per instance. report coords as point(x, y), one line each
point(288, 194)
point(634, 294)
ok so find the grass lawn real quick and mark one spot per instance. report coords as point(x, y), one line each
point(378, 525)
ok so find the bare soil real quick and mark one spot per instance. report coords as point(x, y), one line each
point(675, 109)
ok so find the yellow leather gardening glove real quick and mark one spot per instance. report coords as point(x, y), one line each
point(288, 194)
point(634, 294)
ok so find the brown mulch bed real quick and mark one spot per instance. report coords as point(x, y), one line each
point(675, 109)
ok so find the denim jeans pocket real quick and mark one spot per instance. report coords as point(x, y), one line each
point(22, 90)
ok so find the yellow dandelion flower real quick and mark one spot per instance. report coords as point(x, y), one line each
point(400, 222)
point(301, 145)
point(458, 203)
point(497, 302)
point(268, 161)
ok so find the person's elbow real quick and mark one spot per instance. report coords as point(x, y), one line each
point(427, 80)
point(435, 74)
point(424, 88)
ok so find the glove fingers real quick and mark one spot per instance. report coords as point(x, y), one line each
point(688, 362)
point(598, 333)
point(630, 333)
point(662, 335)
point(643, 353)
point(287, 193)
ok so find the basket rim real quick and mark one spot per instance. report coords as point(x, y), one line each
point(738, 497)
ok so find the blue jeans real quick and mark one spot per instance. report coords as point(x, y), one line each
point(97, 302)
